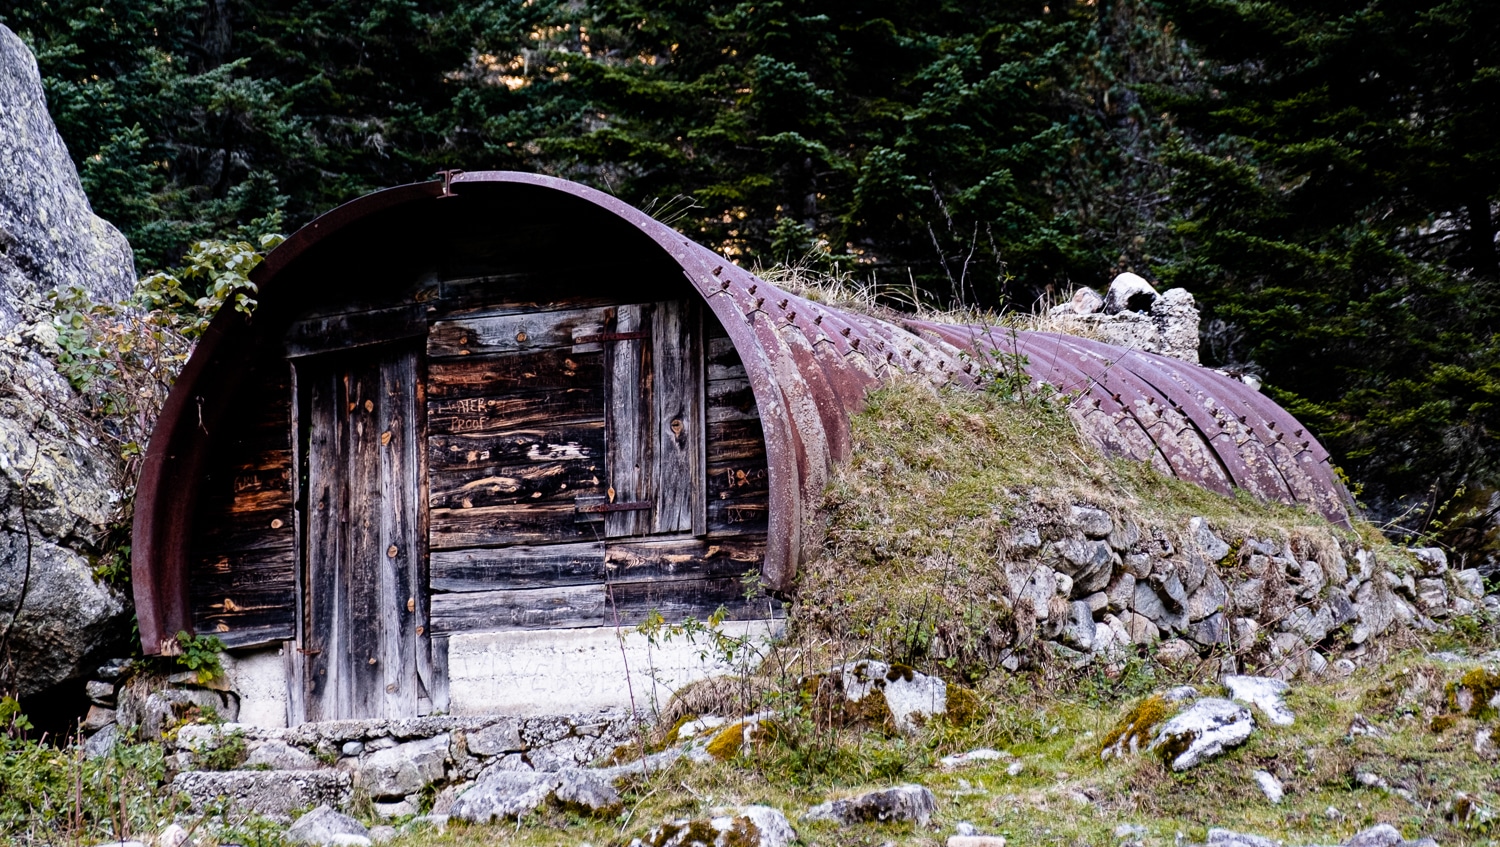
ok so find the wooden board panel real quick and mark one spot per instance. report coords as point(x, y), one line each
point(731, 400)
point(514, 333)
point(562, 442)
point(572, 564)
point(736, 441)
point(723, 359)
point(676, 391)
point(241, 597)
point(525, 373)
point(328, 333)
point(501, 485)
point(501, 294)
point(595, 605)
point(738, 497)
point(519, 411)
point(496, 525)
point(629, 427)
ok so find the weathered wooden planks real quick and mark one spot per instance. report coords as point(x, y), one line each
point(489, 526)
point(515, 411)
point(595, 605)
point(243, 545)
point(365, 547)
point(514, 333)
point(525, 373)
point(628, 433)
point(676, 392)
point(348, 330)
point(575, 564)
point(553, 443)
point(501, 485)
point(738, 485)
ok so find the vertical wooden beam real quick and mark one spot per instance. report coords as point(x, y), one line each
point(399, 549)
point(629, 437)
point(676, 419)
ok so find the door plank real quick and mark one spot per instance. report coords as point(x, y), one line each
point(400, 487)
point(492, 526)
point(553, 443)
point(676, 392)
point(629, 427)
point(518, 411)
point(323, 626)
point(501, 485)
point(528, 372)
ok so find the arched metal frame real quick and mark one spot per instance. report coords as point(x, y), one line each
point(810, 366)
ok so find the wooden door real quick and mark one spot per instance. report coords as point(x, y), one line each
point(654, 426)
point(364, 644)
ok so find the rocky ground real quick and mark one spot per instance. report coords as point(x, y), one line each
point(1399, 750)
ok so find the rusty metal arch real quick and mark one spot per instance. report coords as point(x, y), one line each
point(809, 365)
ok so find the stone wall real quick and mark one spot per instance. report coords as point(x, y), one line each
point(1094, 586)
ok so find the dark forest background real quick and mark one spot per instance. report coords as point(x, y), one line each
point(1321, 174)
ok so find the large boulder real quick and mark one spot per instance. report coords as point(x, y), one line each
point(59, 479)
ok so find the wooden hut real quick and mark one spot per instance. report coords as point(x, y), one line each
point(501, 403)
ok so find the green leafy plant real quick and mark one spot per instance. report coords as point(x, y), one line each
point(200, 654)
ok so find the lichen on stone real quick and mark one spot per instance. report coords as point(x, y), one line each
point(1134, 729)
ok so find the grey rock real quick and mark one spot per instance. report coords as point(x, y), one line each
point(112, 670)
point(973, 757)
point(1089, 563)
point(1431, 560)
point(383, 833)
point(1148, 603)
point(1140, 628)
point(1175, 652)
point(1031, 586)
point(505, 794)
point(1380, 835)
point(1469, 582)
point(753, 826)
point(1120, 592)
point(397, 809)
point(1125, 535)
point(587, 791)
point(1026, 540)
point(1093, 523)
point(405, 768)
point(1085, 301)
point(1309, 579)
point(1432, 597)
point(1229, 838)
point(275, 794)
point(911, 697)
point(55, 240)
point(156, 712)
point(322, 826)
point(1341, 608)
point(280, 756)
point(501, 737)
point(1097, 602)
point(98, 717)
point(1242, 633)
point(100, 692)
point(1209, 631)
point(102, 742)
point(49, 239)
point(1378, 609)
point(1129, 293)
point(1246, 597)
point(1139, 565)
point(1269, 786)
point(1311, 624)
point(1170, 588)
point(902, 803)
point(1210, 545)
point(1078, 632)
point(1264, 693)
point(352, 748)
point(1209, 598)
point(1203, 731)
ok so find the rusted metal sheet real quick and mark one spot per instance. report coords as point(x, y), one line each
point(809, 366)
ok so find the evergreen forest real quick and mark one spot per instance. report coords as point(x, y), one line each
point(1322, 175)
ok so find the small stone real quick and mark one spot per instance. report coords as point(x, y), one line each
point(973, 757)
point(1370, 780)
point(1093, 523)
point(102, 742)
point(112, 670)
point(1129, 292)
point(404, 768)
point(352, 748)
point(383, 833)
point(1344, 667)
point(98, 718)
point(1203, 731)
point(587, 791)
point(1175, 652)
point(1263, 693)
point(1230, 838)
point(280, 756)
point(1097, 602)
point(1210, 545)
point(323, 825)
point(503, 795)
point(902, 803)
point(1015, 769)
point(399, 809)
point(498, 739)
point(1380, 835)
point(1086, 301)
point(101, 692)
point(1432, 597)
point(172, 836)
point(1469, 582)
point(1269, 786)
point(1432, 560)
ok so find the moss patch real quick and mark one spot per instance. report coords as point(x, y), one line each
point(1135, 727)
point(1472, 694)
